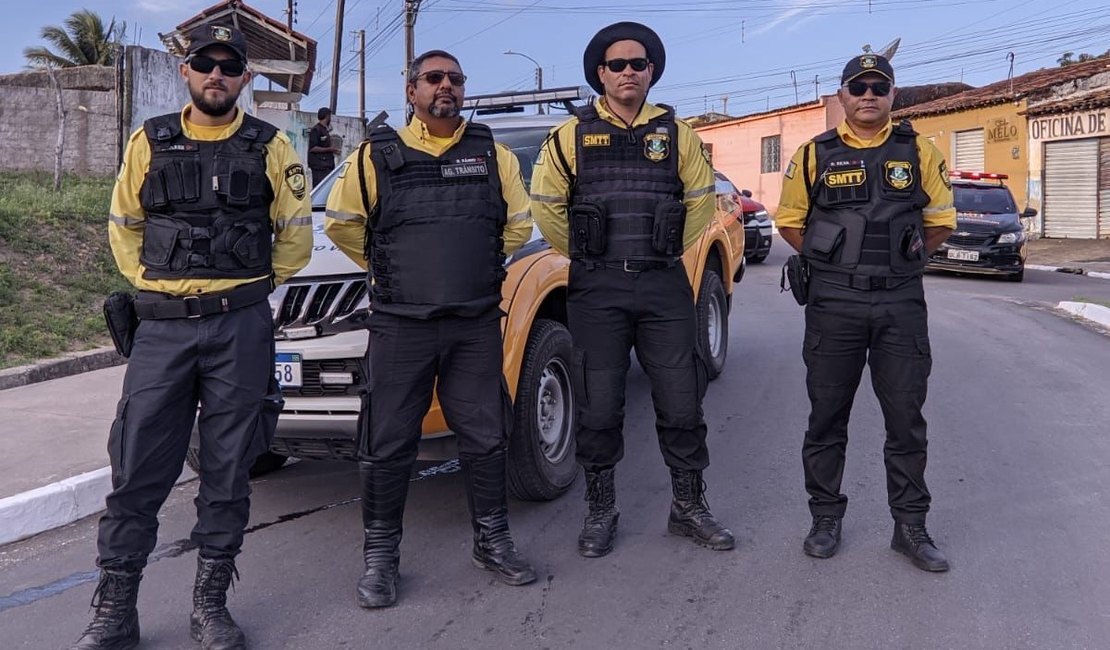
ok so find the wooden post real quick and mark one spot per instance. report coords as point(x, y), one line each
point(60, 142)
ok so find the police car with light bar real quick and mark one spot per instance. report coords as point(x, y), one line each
point(990, 236)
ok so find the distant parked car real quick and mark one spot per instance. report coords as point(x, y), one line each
point(757, 223)
point(989, 236)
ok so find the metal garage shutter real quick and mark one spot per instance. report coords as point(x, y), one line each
point(969, 151)
point(1071, 189)
point(1104, 189)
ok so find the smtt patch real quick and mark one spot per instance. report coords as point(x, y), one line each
point(705, 153)
point(899, 174)
point(595, 140)
point(343, 170)
point(790, 169)
point(294, 178)
point(846, 178)
point(943, 169)
point(657, 146)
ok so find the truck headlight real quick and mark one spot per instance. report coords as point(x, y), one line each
point(1011, 237)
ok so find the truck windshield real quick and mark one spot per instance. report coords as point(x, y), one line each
point(525, 143)
point(984, 199)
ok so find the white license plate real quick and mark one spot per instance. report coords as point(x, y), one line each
point(966, 256)
point(287, 369)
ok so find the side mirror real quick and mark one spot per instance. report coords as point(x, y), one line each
point(747, 193)
point(1029, 213)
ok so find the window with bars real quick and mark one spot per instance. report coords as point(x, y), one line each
point(771, 157)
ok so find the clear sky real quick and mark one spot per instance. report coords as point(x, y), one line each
point(758, 54)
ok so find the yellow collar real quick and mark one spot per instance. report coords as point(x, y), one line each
point(209, 133)
point(419, 130)
point(647, 112)
point(852, 140)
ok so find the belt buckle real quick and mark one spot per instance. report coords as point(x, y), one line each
point(628, 270)
point(877, 282)
point(186, 301)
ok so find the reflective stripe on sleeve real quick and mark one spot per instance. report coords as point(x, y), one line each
point(124, 221)
point(700, 192)
point(547, 199)
point(344, 216)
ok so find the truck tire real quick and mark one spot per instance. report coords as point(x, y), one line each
point(542, 465)
point(264, 464)
point(713, 322)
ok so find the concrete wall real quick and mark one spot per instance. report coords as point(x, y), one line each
point(297, 124)
point(29, 121)
point(737, 145)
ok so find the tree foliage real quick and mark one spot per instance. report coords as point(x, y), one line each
point(82, 40)
point(1068, 58)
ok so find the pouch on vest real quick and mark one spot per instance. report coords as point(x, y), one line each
point(667, 229)
point(244, 244)
point(795, 277)
point(912, 244)
point(160, 238)
point(119, 314)
point(587, 227)
point(822, 240)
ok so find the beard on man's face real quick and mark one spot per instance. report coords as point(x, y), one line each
point(444, 111)
point(214, 108)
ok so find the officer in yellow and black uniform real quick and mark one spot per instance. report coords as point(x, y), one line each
point(209, 212)
point(431, 212)
point(623, 189)
point(866, 203)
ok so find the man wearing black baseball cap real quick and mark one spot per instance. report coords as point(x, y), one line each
point(623, 189)
point(209, 213)
point(866, 204)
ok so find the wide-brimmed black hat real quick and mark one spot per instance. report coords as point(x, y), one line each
point(626, 31)
point(216, 34)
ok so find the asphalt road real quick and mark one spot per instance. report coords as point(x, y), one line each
point(1018, 413)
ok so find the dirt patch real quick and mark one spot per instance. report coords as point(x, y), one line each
point(1069, 252)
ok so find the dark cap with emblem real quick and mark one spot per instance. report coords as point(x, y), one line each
point(626, 31)
point(865, 63)
point(214, 34)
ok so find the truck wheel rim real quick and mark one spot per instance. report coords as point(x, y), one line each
point(554, 409)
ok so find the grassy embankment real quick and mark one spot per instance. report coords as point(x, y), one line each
point(55, 266)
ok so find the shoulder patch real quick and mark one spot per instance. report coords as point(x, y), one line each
point(705, 154)
point(295, 180)
point(790, 169)
point(122, 169)
point(943, 170)
point(343, 170)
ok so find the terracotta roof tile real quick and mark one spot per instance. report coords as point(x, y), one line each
point(1087, 101)
point(1029, 85)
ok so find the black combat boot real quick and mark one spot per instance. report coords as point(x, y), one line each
point(599, 530)
point(824, 537)
point(210, 623)
point(690, 516)
point(913, 540)
point(115, 625)
point(493, 545)
point(384, 489)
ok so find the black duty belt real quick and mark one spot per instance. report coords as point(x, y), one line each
point(630, 266)
point(861, 282)
point(159, 306)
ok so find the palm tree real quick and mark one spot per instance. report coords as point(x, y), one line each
point(83, 41)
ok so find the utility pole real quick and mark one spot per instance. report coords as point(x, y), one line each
point(411, 8)
point(290, 8)
point(338, 51)
point(362, 74)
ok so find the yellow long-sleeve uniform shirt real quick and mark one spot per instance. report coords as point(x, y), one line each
point(551, 183)
point(794, 202)
point(291, 216)
point(345, 223)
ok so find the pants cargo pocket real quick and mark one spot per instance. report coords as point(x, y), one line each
point(701, 372)
point(578, 379)
point(116, 440)
point(266, 425)
point(508, 416)
point(362, 425)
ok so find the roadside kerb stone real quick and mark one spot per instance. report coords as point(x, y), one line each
point(1087, 310)
point(61, 367)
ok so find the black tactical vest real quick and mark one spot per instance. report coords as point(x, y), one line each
point(630, 176)
point(207, 204)
point(865, 207)
point(436, 236)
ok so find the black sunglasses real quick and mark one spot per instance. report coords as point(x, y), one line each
point(618, 65)
point(205, 64)
point(435, 77)
point(878, 88)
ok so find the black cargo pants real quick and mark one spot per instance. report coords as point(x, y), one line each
point(888, 330)
point(610, 312)
point(224, 361)
point(460, 359)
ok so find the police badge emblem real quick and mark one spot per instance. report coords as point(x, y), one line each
point(867, 61)
point(899, 174)
point(221, 33)
point(657, 146)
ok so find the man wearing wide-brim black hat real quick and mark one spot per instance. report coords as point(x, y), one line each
point(623, 189)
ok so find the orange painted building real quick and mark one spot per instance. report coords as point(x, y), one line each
point(754, 150)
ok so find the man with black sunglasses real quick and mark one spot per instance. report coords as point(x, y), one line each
point(865, 204)
point(623, 189)
point(431, 211)
point(210, 211)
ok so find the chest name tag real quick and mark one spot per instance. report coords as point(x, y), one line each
point(188, 146)
point(595, 140)
point(462, 168)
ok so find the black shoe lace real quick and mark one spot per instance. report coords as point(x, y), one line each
point(824, 524)
point(214, 590)
point(110, 602)
point(918, 535)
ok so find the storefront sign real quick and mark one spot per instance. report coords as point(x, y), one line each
point(1002, 131)
point(1070, 125)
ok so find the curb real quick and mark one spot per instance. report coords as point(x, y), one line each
point(55, 505)
point(1088, 311)
point(1075, 270)
point(61, 367)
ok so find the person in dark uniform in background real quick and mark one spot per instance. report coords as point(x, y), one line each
point(432, 211)
point(866, 203)
point(321, 151)
point(623, 189)
point(210, 211)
